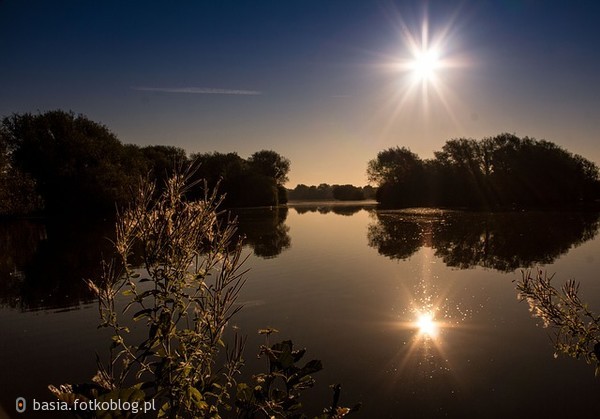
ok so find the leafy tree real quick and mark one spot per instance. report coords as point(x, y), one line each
point(220, 171)
point(71, 165)
point(399, 174)
point(78, 165)
point(18, 193)
point(464, 164)
point(394, 165)
point(497, 172)
point(252, 182)
point(347, 193)
point(282, 195)
point(325, 192)
point(163, 161)
point(270, 164)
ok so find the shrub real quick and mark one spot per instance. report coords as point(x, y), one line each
point(192, 275)
point(576, 328)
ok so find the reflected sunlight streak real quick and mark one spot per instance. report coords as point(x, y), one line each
point(427, 325)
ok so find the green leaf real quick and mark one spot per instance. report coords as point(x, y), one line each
point(267, 331)
point(164, 410)
point(142, 313)
point(148, 293)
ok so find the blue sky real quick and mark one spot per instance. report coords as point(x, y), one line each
point(321, 82)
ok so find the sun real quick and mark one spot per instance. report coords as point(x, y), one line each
point(425, 63)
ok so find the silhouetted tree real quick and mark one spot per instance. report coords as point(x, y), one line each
point(347, 193)
point(302, 192)
point(394, 165)
point(464, 165)
point(270, 164)
point(325, 192)
point(78, 166)
point(245, 183)
point(163, 161)
point(369, 192)
point(399, 173)
point(274, 166)
point(18, 193)
point(504, 171)
point(70, 165)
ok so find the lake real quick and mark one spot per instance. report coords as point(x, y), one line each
point(347, 282)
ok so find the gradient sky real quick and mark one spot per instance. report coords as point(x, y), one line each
point(318, 81)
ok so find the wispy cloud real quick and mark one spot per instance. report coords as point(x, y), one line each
point(197, 90)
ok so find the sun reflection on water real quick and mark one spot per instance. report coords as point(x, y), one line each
point(427, 326)
point(431, 314)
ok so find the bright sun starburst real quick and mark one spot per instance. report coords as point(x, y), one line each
point(427, 325)
point(425, 64)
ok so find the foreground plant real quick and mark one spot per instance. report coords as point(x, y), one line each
point(192, 276)
point(576, 328)
point(276, 393)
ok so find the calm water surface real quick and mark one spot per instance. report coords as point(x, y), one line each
point(348, 283)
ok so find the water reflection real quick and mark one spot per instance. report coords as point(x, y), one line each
point(343, 208)
point(427, 325)
point(501, 241)
point(424, 357)
point(265, 230)
point(43, 265)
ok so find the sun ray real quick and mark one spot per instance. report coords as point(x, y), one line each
point(421, 72)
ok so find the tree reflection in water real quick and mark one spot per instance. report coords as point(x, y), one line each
point(342, 208)
point(501, 241)
point(43, 265)
point(265, 230)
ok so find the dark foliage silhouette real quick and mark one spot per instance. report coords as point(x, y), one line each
point(267, 234)
point(504, 171)
point(501, 241)
point(64, 164)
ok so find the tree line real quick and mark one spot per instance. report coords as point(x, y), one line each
point(326, 192)
point(61, 163)
point(504, 171)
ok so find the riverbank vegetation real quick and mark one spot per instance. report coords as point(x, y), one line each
point(504, 171)
point(576, 329)
point(326, 192)
point(184, 298)
point(59, 163)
